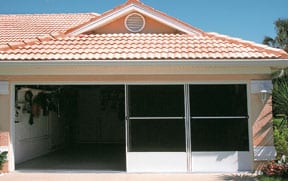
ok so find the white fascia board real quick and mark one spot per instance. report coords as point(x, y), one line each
point(106, 19)
point(101, 21)
point(281, 63)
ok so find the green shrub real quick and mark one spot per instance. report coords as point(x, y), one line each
point(280, 137)
point(280, 142)
point(3, 158)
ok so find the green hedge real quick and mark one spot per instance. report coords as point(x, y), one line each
point(280, 137)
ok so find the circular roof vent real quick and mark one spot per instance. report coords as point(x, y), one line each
point(135, 22)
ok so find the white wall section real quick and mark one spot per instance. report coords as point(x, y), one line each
point(221, 161)
point(157, 162)
point(31, 140)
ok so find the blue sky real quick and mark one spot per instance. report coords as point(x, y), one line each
point(246, 19)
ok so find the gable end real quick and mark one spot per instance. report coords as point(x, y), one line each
point(114, 15)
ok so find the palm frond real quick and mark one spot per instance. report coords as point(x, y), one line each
point(280, 96)
point(269, 41)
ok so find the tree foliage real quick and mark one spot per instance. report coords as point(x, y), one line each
point(280, 78)
point(281, 39)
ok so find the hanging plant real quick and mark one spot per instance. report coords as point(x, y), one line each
point(39, 101)
point(28, 101)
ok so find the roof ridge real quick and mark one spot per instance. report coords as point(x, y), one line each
point(135, 34)
point(281, 53)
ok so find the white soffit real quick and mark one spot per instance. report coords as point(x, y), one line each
point(4, 87)
point(129, 9)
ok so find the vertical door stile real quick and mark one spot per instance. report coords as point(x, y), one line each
point(126, 123)
point(187, 127)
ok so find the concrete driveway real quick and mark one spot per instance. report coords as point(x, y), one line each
point(15, 176)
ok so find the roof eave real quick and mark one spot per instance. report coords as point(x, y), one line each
point(276, 63)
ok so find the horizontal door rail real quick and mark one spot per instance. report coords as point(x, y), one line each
point(146, 118)
point(219, 117)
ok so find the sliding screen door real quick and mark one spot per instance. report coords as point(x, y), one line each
point(183, 128)
point(156, 128)
point(219, 128)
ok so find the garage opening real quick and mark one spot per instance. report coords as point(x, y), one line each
point(70, 127)
point(168, 128)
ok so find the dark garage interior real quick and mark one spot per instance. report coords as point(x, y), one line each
point(70, 127)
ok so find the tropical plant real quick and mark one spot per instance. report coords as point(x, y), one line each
point(275, 171)
point(280, 96)
point(281, 39)
point(280, 109)
point(3, 158)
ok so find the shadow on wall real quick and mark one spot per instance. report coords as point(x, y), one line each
point(263, 132)
point(224, 155)
point(263, 127)
point(239, 177)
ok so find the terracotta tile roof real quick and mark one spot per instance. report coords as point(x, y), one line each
point(45, 37)
point(16, 28)
point(143, 47)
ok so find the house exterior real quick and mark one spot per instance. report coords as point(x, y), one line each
point(193, 101)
